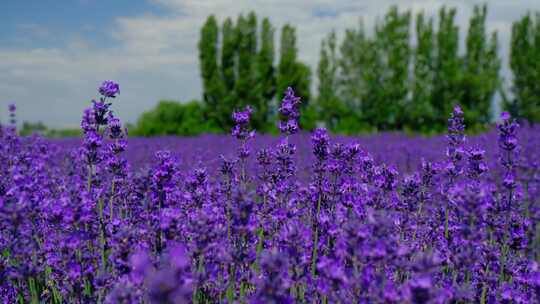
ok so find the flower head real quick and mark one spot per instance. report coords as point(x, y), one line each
point(241, 120)
point(115, 128)
point(109, 88)
point(88, 122)
point(289, 111)
point(320, 142)
point(456, 127)
point(100, 110)
point(476, 165)
point(12, 110)
point(507, 132)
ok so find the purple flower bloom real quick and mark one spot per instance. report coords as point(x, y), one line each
point(109, 88)
point(320, 142)
point(289, 110)
point(115, 128)
point(12, 108)
point(241, 120)
point(308, 220)
point(101, 111)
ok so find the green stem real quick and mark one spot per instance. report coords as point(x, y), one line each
point(316, 239)
point(102, 236)
point(111, 209)
point(259, 247)
point(89, 180)
point(446, 222)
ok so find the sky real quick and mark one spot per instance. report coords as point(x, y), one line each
point(55, 53)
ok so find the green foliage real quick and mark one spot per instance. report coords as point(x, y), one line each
point(291, 72)
point(246, 73)
point(33, 128)
point(374, 73)
point(329, 103)
point(481, 70)
point(173, 118)
point(246, 51)
point(393, 50)
point(213, 87)
point(389, 82)
point(378, 81)
point(525, 64)
point(309, 118)
point(63, 133)
point(29, 128)
point(421, 111)
point(229, 37)
point(265, 85)
point(358, 71)
point(446, 66)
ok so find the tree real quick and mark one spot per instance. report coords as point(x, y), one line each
point(361, 76)
point(265, 87)
point(393, 48)
point(330, 106)
point(291, 72)
point(229, 44)
point(246, 29)
point(447, 67)
point(481, 70)
point(228, 52)
point(213, 88)
point(375, 71)
point(421, 113)
point(525, 65)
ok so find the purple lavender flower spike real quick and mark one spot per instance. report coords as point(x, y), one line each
point(109, 89)
point(290, 112)
point(241, 120)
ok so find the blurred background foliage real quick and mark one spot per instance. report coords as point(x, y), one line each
point(406, 75)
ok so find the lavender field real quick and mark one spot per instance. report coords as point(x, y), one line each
point(248, 218)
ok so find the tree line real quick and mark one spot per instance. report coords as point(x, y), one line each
point(237, 68)
point(407, 73)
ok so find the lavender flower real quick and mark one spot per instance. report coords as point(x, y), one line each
point(12, 108)
point(241, 120)
point(308, 220)
point(290, 112)
point(109, 89)
point(456, 138)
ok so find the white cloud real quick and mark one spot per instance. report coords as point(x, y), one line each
point(155, 57)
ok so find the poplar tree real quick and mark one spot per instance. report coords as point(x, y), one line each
point(329, 106)
point(229, 42)
point(525, 65)
point(360, 73)
point(292, 72)
point(210, 72)
point(421, 113)
point(394, 51)
point(228, 51)
point(246, 29)
point(266, 79)
point(481, 69)
point(447, 67)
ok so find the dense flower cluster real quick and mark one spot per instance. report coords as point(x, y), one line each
point(329, 224)
point(290, 112)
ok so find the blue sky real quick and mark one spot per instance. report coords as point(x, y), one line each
point(48, 24)
point(54, 53)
